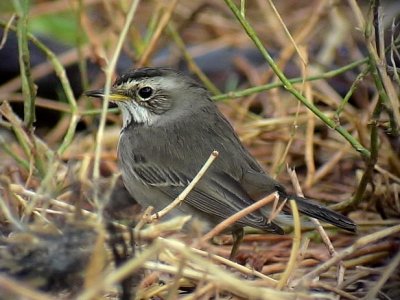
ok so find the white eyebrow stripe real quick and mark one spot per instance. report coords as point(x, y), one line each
point(129, 84)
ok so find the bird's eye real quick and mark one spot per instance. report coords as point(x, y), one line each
point(145, 92)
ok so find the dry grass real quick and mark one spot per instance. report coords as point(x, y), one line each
point(67, 230)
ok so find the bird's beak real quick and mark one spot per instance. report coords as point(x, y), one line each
point(114, 95)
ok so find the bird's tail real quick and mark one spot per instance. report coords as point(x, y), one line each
point(314, 210)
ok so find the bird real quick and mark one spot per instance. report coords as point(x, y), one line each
point(170, 126)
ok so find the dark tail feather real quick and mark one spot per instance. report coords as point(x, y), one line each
point(312, 209)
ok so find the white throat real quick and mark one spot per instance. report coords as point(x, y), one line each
point(131, 112)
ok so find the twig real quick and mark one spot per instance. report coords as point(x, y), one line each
point(338, 291)
point(109, 72)
point(200, 291)
point(60, 71)
point(382, 103)
point(237, 216)
point(5, 31)
point(295, 247)
point(144, 218)
point(18, 189)
point(349, 93)
point(310, 130)
point(28, 87)
point(187, 190)
point(387, 173)
point(290, 88)
point(80, 38)
point(11, 152)
point(39, 102)
point(34, 149)
point(150, 232)
point(361, 242)
point(387, 272)
point(155, 37)
point(121, 273)
point(278, 16)
point(9, 285)
point(225, 280)
point(327, 167)
point(191, 62)
point(319, 227)
point(276, 209)
point(269, 86)
point(9, 215)
point(173, 289)
point(243, 269)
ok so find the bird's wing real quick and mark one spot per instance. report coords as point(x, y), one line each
point(153, 175)
point(217, 194)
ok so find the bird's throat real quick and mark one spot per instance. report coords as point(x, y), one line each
point(135, 115)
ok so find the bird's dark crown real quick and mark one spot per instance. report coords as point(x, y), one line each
point(151, 72)
point(148, 72)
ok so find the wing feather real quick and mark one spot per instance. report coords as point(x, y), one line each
point(216, 194)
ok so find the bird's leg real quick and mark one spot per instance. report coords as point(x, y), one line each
point(237, 235)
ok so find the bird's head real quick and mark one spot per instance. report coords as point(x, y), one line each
point(145, 95)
